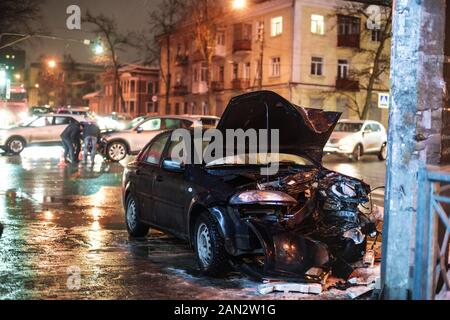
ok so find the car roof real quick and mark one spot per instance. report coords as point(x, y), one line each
point(181, 117)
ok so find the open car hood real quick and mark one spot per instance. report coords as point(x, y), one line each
point(302, 131)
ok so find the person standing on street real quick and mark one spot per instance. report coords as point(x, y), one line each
point(69, 138)
point(91, 134)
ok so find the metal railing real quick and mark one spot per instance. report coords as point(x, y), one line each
point(431, 262)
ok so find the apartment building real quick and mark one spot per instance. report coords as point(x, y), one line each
point(139, 91)
point(309, 52)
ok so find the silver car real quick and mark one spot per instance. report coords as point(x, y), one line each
point(117, 145)
point(355, 138)
point(44, 129)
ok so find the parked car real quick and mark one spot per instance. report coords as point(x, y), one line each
point(304, 216)
point(114, 121)
point(353, 138)
point(77, 111)
point(44, 129)
point(117, 145)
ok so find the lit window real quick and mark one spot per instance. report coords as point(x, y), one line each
point(13, 57)
point(247, 71)
point(316, 66)
point(277, 26)
point(317, 24)
point(220, 39)
point(275, 69)
point(7, 56)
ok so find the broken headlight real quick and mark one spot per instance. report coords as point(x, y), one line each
point(355, 234)
point(262, 198)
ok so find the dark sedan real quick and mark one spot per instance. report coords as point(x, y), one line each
point(303, 216)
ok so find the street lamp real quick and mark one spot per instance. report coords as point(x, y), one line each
point(51, 64)
point(98, 49)
point(239, 4)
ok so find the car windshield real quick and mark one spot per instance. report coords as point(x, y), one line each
point(133, 123)
point(27, 121)
point(348, 127)
point(261, 159)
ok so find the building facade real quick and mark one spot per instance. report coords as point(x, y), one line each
point(139, 92)
point(309, 52)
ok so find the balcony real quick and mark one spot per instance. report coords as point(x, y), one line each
point(242, 45)
point(181, 60)
point(240, 84)
point(180, 90)
point(217, 86)
point(349, 40)
point(345, 84)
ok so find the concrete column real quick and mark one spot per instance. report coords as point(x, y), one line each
point(414, 130)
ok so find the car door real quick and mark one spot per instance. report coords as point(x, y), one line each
point(170, 195)
point(149, 161)
point(59, 124)
point(145, 132)
point(369, 138)
point(379, 136)
point(41, 129)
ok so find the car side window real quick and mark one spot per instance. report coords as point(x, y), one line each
point(62, 121)
point(42, 122)
point(376, 128)
point(172, 123)
point(152, 125)
point(156, 150)
point(368, 128)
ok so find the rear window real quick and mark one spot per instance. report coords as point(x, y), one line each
point(208, 122)
point(348, 127)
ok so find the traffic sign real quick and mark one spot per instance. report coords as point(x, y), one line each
point(383, 100)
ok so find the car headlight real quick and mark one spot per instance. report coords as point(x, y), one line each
point(263, 197)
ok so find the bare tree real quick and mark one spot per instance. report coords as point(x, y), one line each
point(19, 16)
point(164, 22)
point(206, 16)
point(106, 28)
point(376, 61)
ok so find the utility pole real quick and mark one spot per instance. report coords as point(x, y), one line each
point(415, 131)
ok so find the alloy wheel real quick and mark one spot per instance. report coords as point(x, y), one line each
point(117, 151)
point(16, 146)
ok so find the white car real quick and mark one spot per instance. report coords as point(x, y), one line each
point(354, 138)
point(44, 129)
point(117, 145)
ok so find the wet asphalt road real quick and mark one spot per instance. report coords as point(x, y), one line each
point(64, 237)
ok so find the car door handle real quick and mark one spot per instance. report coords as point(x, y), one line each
point(159, 179)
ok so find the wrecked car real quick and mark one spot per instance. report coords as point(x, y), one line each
point(231, 213)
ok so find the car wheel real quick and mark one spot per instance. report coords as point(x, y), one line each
point(16, 145)
point(382, 156)
point(209, 247)
point(134, 226)
point(357, 153)
point(116, 151)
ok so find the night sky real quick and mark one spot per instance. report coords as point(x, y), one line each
point(131, 15)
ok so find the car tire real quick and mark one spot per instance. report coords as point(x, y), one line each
point(15, 145)
point(357, 153)
point(382, 155)
point(209, 247)
point(116, 151)
point(135, 227)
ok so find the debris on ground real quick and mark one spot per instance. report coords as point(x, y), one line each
point(306, 288)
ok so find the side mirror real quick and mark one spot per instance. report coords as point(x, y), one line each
point(139, 130)
point(173, 165)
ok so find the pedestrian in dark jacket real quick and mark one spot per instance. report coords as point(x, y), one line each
point(91, 134)
point(71, 139)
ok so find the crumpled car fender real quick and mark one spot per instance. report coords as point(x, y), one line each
point(286, 252)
